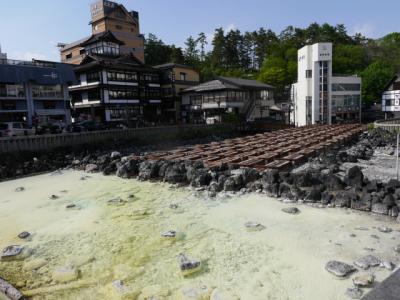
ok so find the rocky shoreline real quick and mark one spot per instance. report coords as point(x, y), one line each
point(320, 182)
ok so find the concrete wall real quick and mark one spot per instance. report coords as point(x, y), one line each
point(139, 135)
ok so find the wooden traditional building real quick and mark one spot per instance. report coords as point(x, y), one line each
point(115, 87)
point(212, 101)
point(175, 79)
point(108, 16)
point(391, 97)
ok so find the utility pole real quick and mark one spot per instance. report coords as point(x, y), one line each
point(397, 158)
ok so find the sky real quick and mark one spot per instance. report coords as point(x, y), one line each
point(32, 28)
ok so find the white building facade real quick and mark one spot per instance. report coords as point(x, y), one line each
point(391, 97)
point(318, 97)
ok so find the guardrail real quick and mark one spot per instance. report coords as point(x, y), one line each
point(149, 135)
point(392, 125)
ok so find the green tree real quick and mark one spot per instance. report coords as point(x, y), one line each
point(191, 53)
point(374, 79)
point(202, 41)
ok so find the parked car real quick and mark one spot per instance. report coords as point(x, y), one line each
point(86, 126)
point(49, 129)
point(9, 129)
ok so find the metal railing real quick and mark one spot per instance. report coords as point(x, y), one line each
point(392, 125)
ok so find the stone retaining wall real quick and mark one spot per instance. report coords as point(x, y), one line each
point(142, 135)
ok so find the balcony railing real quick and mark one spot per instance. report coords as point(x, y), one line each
point(33, 63)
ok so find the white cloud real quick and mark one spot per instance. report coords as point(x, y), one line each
point(367, 29)
point(27, 55)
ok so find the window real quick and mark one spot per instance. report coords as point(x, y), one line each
point(167, 91)
point(123, 94)
point(183, 76)
point(94, 95)
point(8, 105)
point(93, 77)
point(308, 73)
point(82, 51)
point(119, 27)
point(153, 93)
point(49, 104)
point(103, 48)
point(396, 86)
point(126, 113)
point(150, 78)
point(68, 56)
point(47, 91)
point(346, 87)
point(12, 90)
point(121, 76)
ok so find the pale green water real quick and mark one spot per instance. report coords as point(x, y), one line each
point(108, 242)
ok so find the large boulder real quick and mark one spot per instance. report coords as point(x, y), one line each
point(339, 269)
point(247, 174)
point(148, 170)
point(128, 169)
point(334, 183)
point(363, 203)
point(304, 179)
point(200, 177)
point(175, 173)
point(380, 208)
point(345, 198)
point(392, 185)
point(354, 177)
point(313, 195)
point(270, 177)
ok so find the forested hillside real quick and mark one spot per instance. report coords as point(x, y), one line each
point(272, 58)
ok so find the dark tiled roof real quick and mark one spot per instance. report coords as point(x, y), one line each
point(102, 36)
point(211, 86)
point(76, 43)
point(127, 61)
point(229, 83)
point(59, 74)
point(172, 65)
point(246, 83)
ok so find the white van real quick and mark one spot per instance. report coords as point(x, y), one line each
point(10, 129)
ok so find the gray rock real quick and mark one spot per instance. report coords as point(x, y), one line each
point(363, 280)
point(394, 212)
point(91, 168)
point(54, 197)
point(24, 235)
point(9, 291)
point(115, 154)
point(385, 229)
point(20, 189)
point(380, 208)
point(291, 210)
point(387, 265)
point(354, 293)
point(354, 177)
point(188, 266)
point(116, 201)
point(339, 269)
point(169, 234)
point(69, 206)
point(254, 226)
point(397, 249)
point(11, 252)
point(367, 262)
point(173, 206)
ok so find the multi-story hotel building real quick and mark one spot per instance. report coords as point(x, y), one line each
point(115, 87)
point(211, 101)
point(175, 79)
point(34, 90)
point(391, 97)
point(319, 97)
point(112, 17)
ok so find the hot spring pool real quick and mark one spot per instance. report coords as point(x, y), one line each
point(104, 242)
